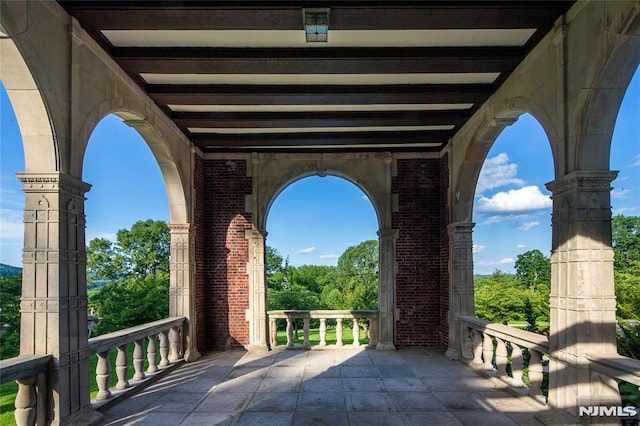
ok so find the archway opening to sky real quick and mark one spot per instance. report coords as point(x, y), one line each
point(625, 200)
point(128, 240)
point(512, 235)
point(322, 247)
point(11, 195)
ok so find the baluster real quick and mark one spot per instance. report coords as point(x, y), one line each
point(466, 350)
point(289, 332)
point(25, 403)
point(373, 332)
point(356, 332)
point(138, 360)
point(273, 332)
point(487, 352)
point(323, 332)
point(517, 364)
point(477, 347)
point(339, 332)
point(501, 358)
point(305, 332)
point(535, 374)
point(152, 354)
point(122, 367)
point(103, 376)
point(164, 348)
point(174, 344)
point(42, 398)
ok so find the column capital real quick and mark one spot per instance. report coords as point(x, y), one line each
point(179, 228)
point(52, 182)
point(388, 233)
point(255, 234)
point(592, 180)
point(461, 227)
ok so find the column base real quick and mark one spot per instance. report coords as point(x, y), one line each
point(452, 354)
point(386, 346)
point(191, 355)
point(257, 347)
point(85, 417)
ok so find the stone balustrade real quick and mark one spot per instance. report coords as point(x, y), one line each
point(30, 371)
point(355, 317)
point(164, 341)
point(493, 347)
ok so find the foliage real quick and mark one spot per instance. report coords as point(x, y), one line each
point(629, 340)
point(137, 270)
point(628, 290)
point(9, 270)
point(10, 291)
point(357, 276)
point(532, 268)
point(625, 236)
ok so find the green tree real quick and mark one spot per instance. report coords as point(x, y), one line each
point(625, 235)
point(627, 282)
point(137, 268)
point(357, 276)
point(10, 291)
point(533, 267)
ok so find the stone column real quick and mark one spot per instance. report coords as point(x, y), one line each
point(257, 313)
point(461, 301)
point(387, 289)
point(181, 292)
point(583, 303)
point(53, 317)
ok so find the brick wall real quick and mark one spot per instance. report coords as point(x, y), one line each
point(226, 282)
point(419, 221)
point(197, 228)
point(444, 251)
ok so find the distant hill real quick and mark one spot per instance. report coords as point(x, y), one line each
point(9, 270)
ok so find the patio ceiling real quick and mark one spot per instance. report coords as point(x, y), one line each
point(393, 76)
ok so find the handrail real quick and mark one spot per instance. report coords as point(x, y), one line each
point(22, 366)
point(104, 342)
point(617, 366)
point(527, 339)
point(322, 313)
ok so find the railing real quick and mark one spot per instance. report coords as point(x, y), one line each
point(323, 315)
point(479, 347)
point(164, 338)
point(30, 371)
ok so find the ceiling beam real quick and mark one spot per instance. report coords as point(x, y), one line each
point(319, 119)
point(318, 94)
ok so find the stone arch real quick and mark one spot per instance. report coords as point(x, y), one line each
point(41, 150)
point(287, 181)
point(173, 180)
point(604, 97)
point(484, 136)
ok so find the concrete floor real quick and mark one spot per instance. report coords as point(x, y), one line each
point(336, 387)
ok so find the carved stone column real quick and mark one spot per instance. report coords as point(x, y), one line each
point(461, 283)
point(53, 317)
point(181, 292)
point(583, 303)
point(387, 289)
point(257, 313)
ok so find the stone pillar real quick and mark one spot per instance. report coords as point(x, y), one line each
point(387, 289)
point(181, 292)
point(257, 313)
point(583, 303)
point(53, 307)
point(461, 301)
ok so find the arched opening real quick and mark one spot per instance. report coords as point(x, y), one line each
point(127, 235)
point(322, 253)
point(512, 235)
point(11, 227)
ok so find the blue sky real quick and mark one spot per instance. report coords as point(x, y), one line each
point(315, 219)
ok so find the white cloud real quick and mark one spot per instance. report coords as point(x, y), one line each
point(623, 210)
point(521, 246)
point(525, 226)
point(306, 250)
point(11, 224)
point(620, 194)
point(525, 199)
point(477, 248)
point(329, 256)
point(497, 172)
point(636, 161)
point(504, 261)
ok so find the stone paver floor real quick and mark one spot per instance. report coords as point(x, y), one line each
point(322, 387)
